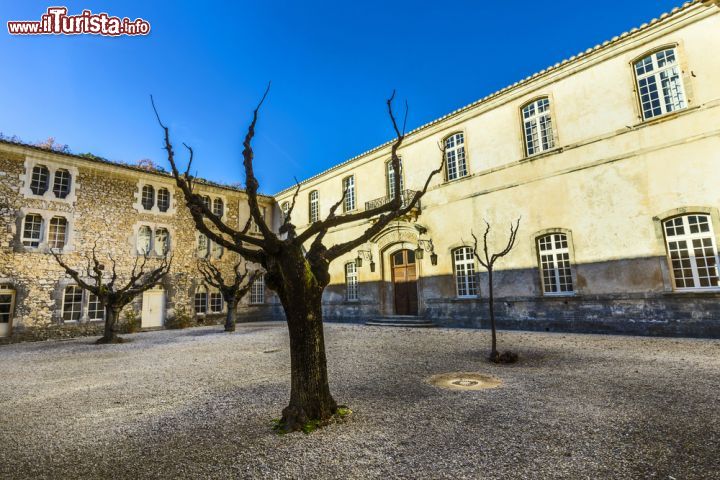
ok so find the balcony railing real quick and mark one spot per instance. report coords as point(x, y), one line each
point(406, 196)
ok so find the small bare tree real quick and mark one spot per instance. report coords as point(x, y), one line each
point(489, 263)
point(232, 291)
point(296, 275)
point(114, 297)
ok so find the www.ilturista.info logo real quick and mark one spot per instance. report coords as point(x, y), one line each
point(57, 22)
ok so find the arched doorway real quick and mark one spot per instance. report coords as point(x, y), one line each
point(404, 278)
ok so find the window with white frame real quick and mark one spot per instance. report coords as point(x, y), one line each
point(391, 179)
point(95, 308)
point(456, 165)
point(72, 303)
point(257, 291)
point(465, 275)
point(61, 183)
point(537, 126)
point(148, 197)
point(144, 240)
point(660, 85)
point(57, 233)
point(351, 281)
point(348, 185)
point(203, 245)
point(40, 180)
point(216, 249)
point(32, 230)
point(218, 207)
point(201, 300)
point(163, 199)
point(314, 201)
point(285, 207)
point(216, 302)
point(162, 241)
point(554, 257)
point(207, 201)
point(692, 252)
point(255, 226)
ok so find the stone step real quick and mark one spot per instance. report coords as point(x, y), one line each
point(401, 321)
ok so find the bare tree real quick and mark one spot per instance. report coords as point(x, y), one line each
point(489, 263)
point(296, 275)
point(231, 291)
point(114, 297)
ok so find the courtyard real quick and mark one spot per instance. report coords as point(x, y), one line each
point(198, 403)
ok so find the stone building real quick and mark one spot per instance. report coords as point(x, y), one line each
point(610, 158)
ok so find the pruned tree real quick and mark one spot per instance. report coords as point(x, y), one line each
point(297, 275)
point(232, 290)
point(112, 295)
point(489, 263)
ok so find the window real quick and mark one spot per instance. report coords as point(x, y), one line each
point(148, 197)
point(348, 184)
point(314, 206)
point(162, 241)
point(207, 202)
point(555, 264)
point(57, 232)
point(216, 302)
point(216, 249)
point(39, 180)
point(351, 281)
point(660, 85)
point(144, 238)
point(72, 303)
point(465, 276)
point(7, 303)
point(218, 207)
point(95, 308)
point(257, 291)
point(455, 156)
point(32, 230)
point(285, 209)
point(163, 199)
point(537, 126)
point(692, 251)
point(202, 245)
point(391, 179)
point(255, 226)
point(201, 300)
point(61, 183)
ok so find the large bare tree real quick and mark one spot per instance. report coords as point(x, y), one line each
point(488, 261)
point(114, 296)
point(296, 274)
point(232, 290)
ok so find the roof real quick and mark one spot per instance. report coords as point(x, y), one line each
point(126, 166)
point(574, 59)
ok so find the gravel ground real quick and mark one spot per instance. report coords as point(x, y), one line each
point(198, 403)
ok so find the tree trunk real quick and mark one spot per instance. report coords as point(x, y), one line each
point(310, 397)
point(110, 336)
point(231, 315)
point(491, 303)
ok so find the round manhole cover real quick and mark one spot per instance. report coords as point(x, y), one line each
point(464, 381)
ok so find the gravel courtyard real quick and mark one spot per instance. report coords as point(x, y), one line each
point(198, 403)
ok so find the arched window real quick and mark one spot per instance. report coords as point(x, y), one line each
point(660, 85)
point(216, 302)
point(148, 197)
point(61, 183)
point(163, 199)
point(40, 180)
point(456, 165)
point(554, 257)
point(465, 276)
point(348, 185)
point(32, 230)
point(72, 303)
point(218, 207)
point(314, 201)
point(257, 291)
point(201, 300)
point(144, 239)
point(537, 126)
point(57, 232)
point(96, 311)
point(203, 245)
point(351, 281)
point(162, 241)
point(390, 175)
point(692, 252)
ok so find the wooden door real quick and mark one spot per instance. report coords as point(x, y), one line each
point(404, 276)
point(7, 307)
point(153, 308)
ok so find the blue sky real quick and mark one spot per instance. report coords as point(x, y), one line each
point(332, 65)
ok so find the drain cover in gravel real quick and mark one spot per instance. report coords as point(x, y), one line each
point(464, 381)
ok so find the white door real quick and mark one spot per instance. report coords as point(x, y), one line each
point(153, 308)
point(7, 307)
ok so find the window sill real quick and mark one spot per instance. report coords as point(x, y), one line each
point(546, 153)
point(695, 292)
point(664, 117)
